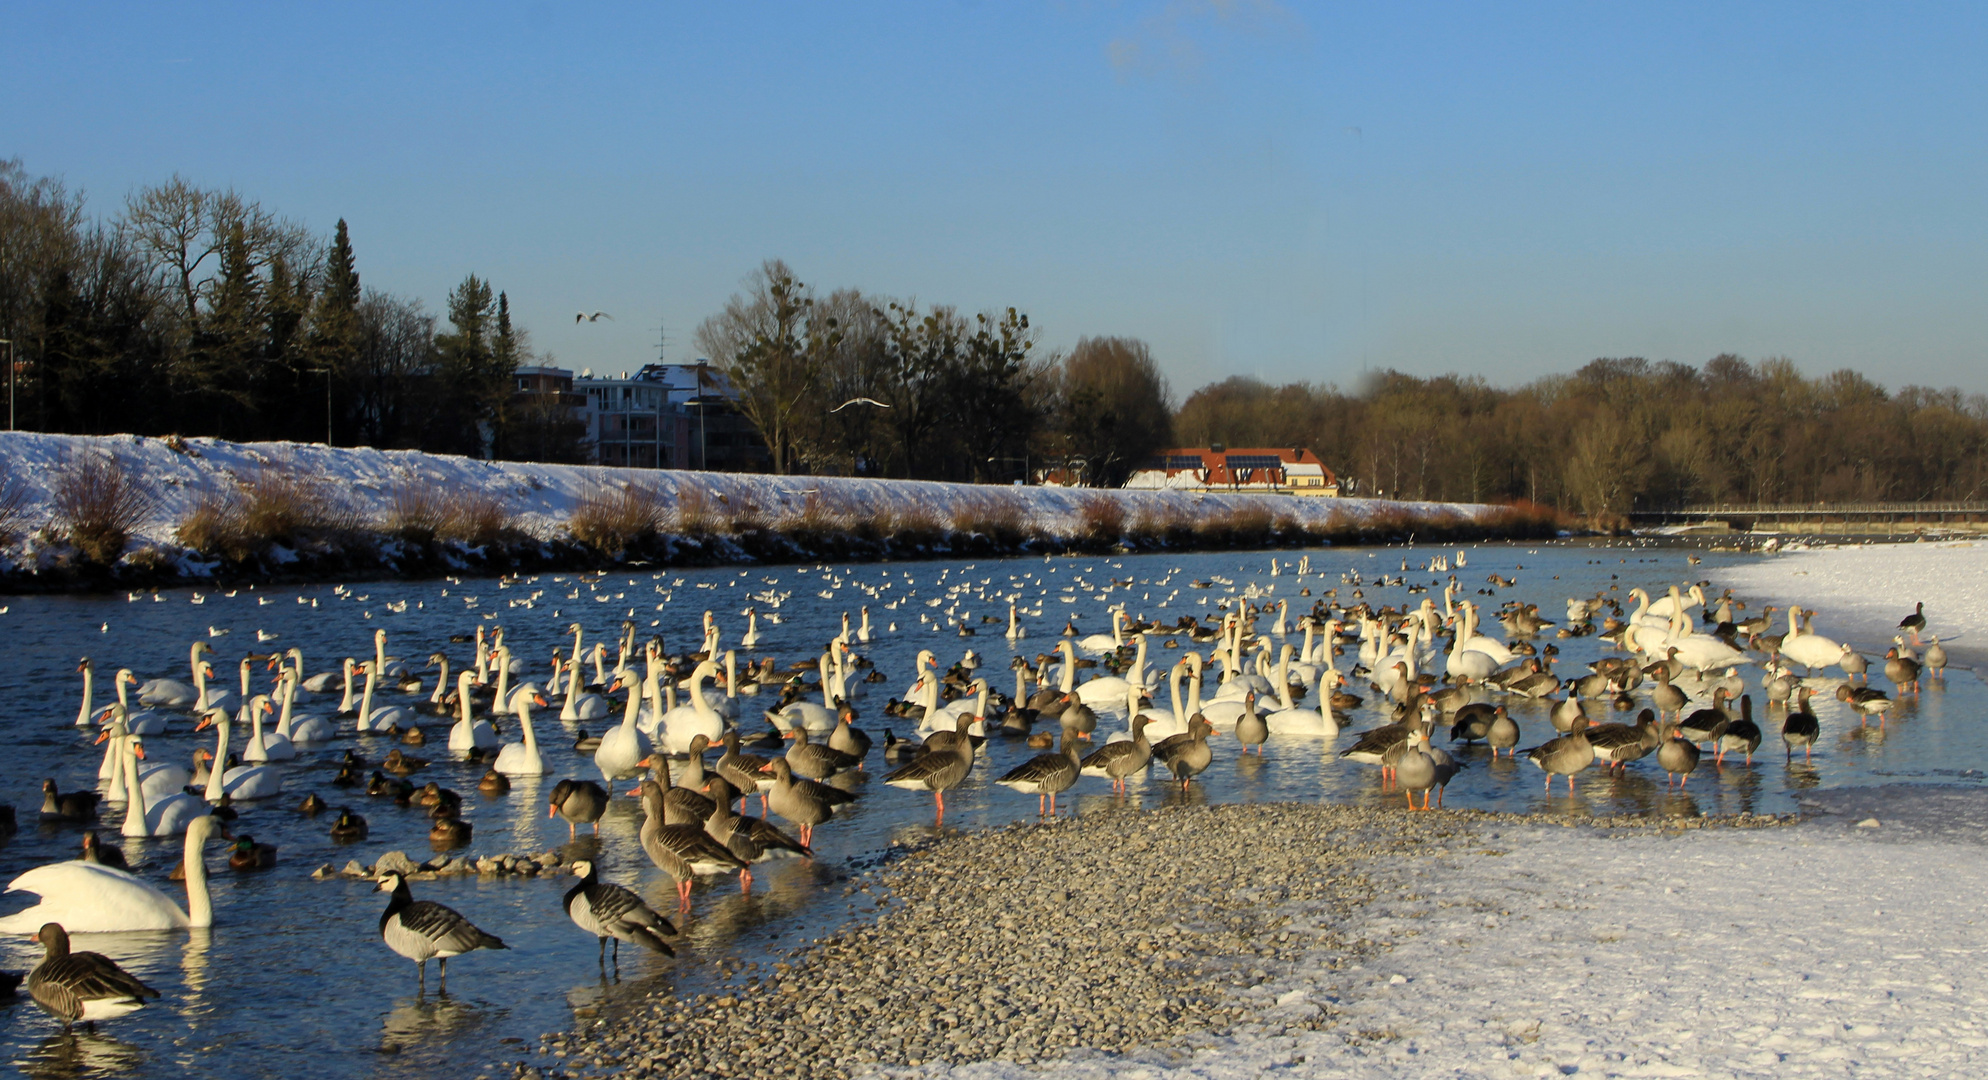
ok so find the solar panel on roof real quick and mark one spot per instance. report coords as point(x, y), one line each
point(1255, 461)
point(1184, 461)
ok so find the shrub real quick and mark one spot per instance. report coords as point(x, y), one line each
point(1524, 519)
point(1002, 518)
point(608, 518)
point(284, 505)
point(1100, 522)
point(97, 505)
point(821, 519)
point(915, 526)
point(475, 518)
point(746, 517)
point(13, 509)
point(695, 516)
point(415, 509)
point(214, 527)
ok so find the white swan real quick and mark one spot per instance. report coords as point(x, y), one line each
point(90, 899)
point(87, 713)
point(1104, 643)
point(523, 758)
point(685, 722)
point(815, 719)
point(266, 745)
point(1109, 691)
point(579, 706)
point(386, 717)
point(1291, 720)
point(1222, 713)
point(1016, 630)
point(623, 747)
point(144, 721)
point(242, 781)
point(1467, 663)
point(145, 816)
point(1475, 642)
point(469, 733)
point(320, 683)
point(1812, 651)
point(1674, 602)
point(171, 693)
point(302, 729)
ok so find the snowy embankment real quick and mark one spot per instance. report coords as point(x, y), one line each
point(177, 477)
point(1820, 950)
point(1860, 592)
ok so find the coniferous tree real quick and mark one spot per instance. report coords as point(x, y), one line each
point(336, 332)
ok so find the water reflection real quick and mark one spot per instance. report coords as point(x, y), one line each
point(79, 1054)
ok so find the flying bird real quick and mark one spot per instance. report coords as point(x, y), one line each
point(859, 401)
point(581, 316)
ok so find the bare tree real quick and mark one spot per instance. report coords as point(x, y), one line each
point(772, 345)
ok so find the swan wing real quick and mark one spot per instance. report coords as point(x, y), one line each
point(89, 899)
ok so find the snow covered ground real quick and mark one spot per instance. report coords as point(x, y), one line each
point(1818, 950)
point(1862, 590)
point(544, 495)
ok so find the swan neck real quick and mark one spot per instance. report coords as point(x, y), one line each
point(525, 721)
point(89, 695)
point(221, 733)
point(199, 906)
point(134, 788)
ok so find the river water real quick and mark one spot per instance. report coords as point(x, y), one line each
point(293, 979)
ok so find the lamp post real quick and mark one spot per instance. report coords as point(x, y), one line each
point(326, 372)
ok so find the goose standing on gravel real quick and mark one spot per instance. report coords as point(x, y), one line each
point(607, 910)
point(422, 929)
point(85, 986)
point(91, 898)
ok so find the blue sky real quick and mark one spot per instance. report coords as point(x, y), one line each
point(1293, 191)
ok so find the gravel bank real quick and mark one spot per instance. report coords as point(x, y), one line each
point(1032, 943)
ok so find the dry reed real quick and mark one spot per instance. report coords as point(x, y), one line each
point(1100, 522)
point(97, 506)
point(609, 518)
point(13, 509)
point(416, 510)
point(476, 519)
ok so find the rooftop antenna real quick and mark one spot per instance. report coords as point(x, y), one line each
point(662, 342)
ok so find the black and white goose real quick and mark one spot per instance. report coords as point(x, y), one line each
point(607, 910)
point(422, 929)
point(86, 986)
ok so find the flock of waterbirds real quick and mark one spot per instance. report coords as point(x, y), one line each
point(1432, 664)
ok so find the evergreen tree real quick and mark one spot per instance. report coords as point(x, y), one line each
point(470, 381)
point(336, 330)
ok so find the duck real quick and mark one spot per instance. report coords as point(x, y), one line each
point(58, 806)
point(247, 855)
point(422, 930)
point(348, 827)
point(401, 764)
point(494, 783)
point(610, 911)
point(95, 851)
point(449, 830)
point(313, 805)
point(85, 986)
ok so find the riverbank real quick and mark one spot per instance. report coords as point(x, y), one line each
point(79, 512)
point(1121, 940)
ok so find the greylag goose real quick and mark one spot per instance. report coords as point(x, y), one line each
point(580, 802)
point(680, 850)
point(1472, 723)
point(1373, 746)
point(1677, 756)
point(1854, 665)
point(86, 986)
point(750, 838)
point(682, 801)
point(1706, 725)
point(1120, 760)
point(1902, 670)
point(849, 740)
point(1935, 658)
point(1251, 730)
point(1503, 734)
point(1047, 775)
point(1801, 728)
point(1187, 755)
point(1414, 769)
point(607, 910)
point(799, 801)
point(1670, 701)
point(814, 760)
point(1915, 623)
point(422, 929)
point(1616, 745)
point(1867, 701)
point(1741, 735)
point(940, 769)
point(742, 771)
point(1564, 756)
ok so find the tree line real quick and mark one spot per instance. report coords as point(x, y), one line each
point(199, 312)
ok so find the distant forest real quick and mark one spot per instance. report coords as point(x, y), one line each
point(199, 312)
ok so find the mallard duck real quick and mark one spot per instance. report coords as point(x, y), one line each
point(494, 783)
point(248, 855)
point(348, 827)
point(312, 805)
